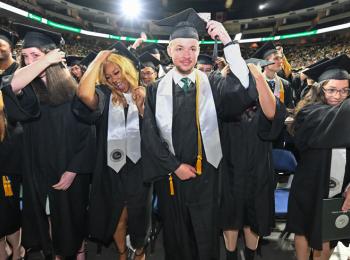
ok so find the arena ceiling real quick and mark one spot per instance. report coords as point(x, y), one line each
point(232, 9)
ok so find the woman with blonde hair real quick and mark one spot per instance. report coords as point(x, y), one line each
point(111, 99)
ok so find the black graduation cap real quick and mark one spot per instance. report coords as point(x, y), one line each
point(73, 60)
point(186, 24)
point(297, 69)
point(260, 62)
point(147, 60)
point(37, 37)
point(153, 48)
point(8, 37)
point(205, 59)
point(336, 68)
point(316, 63)
point(265, 50)
point(122, 50)
point(88, 59)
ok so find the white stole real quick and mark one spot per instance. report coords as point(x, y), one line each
point(337, 171)
point(123, 139)
point(207, 116)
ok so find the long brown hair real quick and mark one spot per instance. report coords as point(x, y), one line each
point(60, 85)
point(315, 95)
point(128, 73)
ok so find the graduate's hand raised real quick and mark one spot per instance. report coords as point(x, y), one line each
point(185, 172)
point(216, 29)
point(66, 180)
point(346, 204)
point(103, 55)
point(138, 96)
point(255, 70)
point(55, 56)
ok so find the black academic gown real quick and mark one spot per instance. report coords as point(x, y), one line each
point(248, 175)
point(298, 87)
point(318, 129)
point(10, 156)
point(190, 228)
point(54, 142)
point(112, 191)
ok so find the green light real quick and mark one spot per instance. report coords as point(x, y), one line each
point(35, 17)
point(114, 37)
point(295, 35)
point(130, 39)
point(208, 42)
point(151, 41)
point(63, 27)
point(265, 39)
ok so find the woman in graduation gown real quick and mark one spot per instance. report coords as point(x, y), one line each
point(321, 125)
point(57, 147)
point(248, 176)
point(119, 201)
point(10, 156)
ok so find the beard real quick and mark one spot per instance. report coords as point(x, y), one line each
point(184, 72)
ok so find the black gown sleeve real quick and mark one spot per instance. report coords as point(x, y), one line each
point(288, 95)
point(157, 160)
point(231, 98)
point(323, 126)
point(84, 113)
point(270, 130)
point(22, 107)
point(83, 160)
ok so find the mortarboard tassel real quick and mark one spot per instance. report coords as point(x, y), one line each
point(199, 165)
point(199, 141)
point(171, 185)
point(7, 186)
point(281, 91)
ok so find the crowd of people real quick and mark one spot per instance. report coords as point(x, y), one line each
point(97, 136)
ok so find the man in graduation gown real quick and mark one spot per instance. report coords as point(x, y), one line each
point(149, 70)
point(279, 86)
point(205, 63)
point(57, 149)
point(247, 172)
point(180, 131)
point(10, 156)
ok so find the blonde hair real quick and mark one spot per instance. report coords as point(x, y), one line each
point(128, 72)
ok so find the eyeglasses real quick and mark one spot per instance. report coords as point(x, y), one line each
point(333, 91)
point(147, 74)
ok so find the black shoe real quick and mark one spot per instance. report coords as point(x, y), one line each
point(231, 255)
point(249, 254)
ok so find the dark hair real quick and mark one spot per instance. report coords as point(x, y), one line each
point(315, 95)
point(60, 86)
point(83, 69)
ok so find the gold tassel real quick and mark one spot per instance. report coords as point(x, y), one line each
point(199, 141)
point(171, 185)
point(281, 92)
point(7, 186)
point(199, 165)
